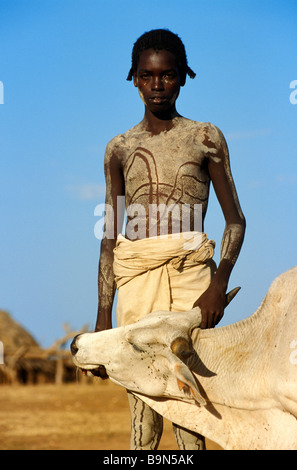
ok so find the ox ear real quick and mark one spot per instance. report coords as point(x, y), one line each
point(187, 383)
point(183, 349)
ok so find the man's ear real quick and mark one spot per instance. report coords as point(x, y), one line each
point(135, 80)
point(186, 382)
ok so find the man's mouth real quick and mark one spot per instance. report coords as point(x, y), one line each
point(158, 99)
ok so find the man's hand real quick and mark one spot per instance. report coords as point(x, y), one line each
point(212, 304)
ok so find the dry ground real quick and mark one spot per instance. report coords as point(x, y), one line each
point(68, 417)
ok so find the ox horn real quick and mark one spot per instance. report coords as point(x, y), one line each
point(230, 296)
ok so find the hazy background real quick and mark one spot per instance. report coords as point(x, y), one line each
point(63, 65)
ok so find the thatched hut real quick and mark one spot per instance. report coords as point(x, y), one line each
point(24, 361)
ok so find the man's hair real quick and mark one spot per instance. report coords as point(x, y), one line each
point(159, 39)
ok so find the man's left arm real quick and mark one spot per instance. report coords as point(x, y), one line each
point(213, 301)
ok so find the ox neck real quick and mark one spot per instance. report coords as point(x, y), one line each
point(230, 355)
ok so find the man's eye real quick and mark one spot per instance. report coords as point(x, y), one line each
point(168, 77)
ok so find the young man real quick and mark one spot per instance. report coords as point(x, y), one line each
point(163, 168)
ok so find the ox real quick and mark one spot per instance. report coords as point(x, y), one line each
point(236, 385)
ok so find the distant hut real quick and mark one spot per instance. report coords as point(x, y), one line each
point(23, 360)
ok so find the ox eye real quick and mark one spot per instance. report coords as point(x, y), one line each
point(136, 348)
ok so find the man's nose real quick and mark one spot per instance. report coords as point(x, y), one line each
point(157, 83)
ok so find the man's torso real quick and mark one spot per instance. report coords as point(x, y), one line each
point(167, 170)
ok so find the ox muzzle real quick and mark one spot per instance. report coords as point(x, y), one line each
point(98, 371)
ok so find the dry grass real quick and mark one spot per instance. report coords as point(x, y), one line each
point(68, 417)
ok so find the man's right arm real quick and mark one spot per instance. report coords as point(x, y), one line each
point(114, 218)
point(106, 285)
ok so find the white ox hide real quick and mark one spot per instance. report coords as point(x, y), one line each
point(236, 385)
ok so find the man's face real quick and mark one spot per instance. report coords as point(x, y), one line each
point(158, 80)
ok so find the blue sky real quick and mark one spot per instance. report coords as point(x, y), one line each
point(63, 68)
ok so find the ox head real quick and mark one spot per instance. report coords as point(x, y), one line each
point(152, 356)
point(148, 357)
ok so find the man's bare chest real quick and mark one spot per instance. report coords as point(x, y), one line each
point(164, 161)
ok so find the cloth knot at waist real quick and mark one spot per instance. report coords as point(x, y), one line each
point(133, 258)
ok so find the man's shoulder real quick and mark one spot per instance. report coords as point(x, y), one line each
point(210, 136)
point(201, 126)
point(122, 140)
point(205, 126)
point(114, 142)
point(212, 131)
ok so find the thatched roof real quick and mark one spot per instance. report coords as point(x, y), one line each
point(13, 335)
point(23, 357)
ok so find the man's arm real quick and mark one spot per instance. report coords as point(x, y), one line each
point(106, 286)
point(212, 301)
point(114, 218)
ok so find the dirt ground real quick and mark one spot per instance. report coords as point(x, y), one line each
point(69, 417)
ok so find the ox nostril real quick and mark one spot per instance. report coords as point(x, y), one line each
point(73, 347)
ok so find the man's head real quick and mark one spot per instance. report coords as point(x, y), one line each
point(162, 39)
